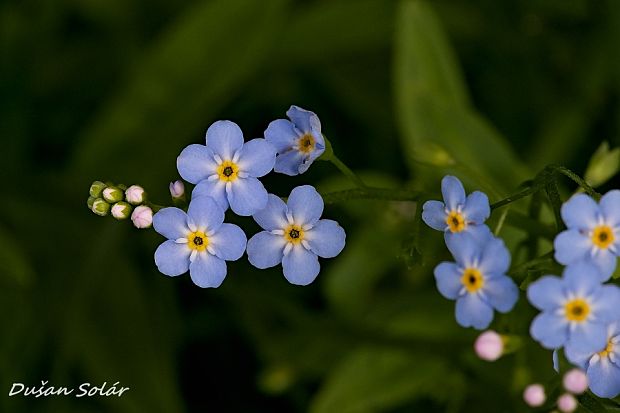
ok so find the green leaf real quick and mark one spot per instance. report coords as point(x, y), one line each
point(604, 164)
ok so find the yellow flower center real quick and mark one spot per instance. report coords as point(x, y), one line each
point(456, 221)
point(577, 310)
point(228, 171)
point(472, 279)
point(294, 234)
point(197, 241)
point(603, 236)
point(609, 349)
point(306, 143)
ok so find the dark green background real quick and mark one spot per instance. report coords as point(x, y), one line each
point(406, 91)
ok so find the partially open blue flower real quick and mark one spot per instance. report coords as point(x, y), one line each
point(295, 236)
point(458, 213)
point(226, 169)
point(298, 141)
point(593, 233)
point(198, 241)
point(477, 280)
point(576, 308)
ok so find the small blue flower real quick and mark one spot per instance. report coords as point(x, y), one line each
point(602, 366)
point(298, 141)
point(593, 233)
point(295, 235)
point(198, 241)
point(226, 169)
point(477, 280)
point(575, 308)
point(458, 213)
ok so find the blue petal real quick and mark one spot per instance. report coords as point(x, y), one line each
point(300, 266)
point(305, 204)
point(571, 246)
point(288, 163)
point(205, 213)
point(207, 271)
point(304, 120)
point(273, 216)
point(172, 259)
point(265, 250)
point(555, 360)
point(312, 156)
point(434, 215)
point(224, 138)
point(550, 330)
point(471, 311)
point(578, 354)
point(501, 292)
point(228, 242)
point(610, 207)
point(247, 196)
point(547, 293)
point(326, 238)
point(495, 258)
point(196, 163)
point(257, 157)
point(282, 134)
point(604, 378)
point(216, 189)
point(589, 336)
point(580, 212)
point(465, 250)
point(605, 261)
point(480, 233)
point(448, 279)
point(452, 191)
point(607, 304)
point(171, 223)
point(477, 208)
point(582, 279)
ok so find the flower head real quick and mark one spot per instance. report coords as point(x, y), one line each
point(298, 141)
point(142, 217)
point(295, 236)
point(198, 241)
point(458, 213)
point(477, 280)
point(227, 169)
point(575, 308)
point(593, 233)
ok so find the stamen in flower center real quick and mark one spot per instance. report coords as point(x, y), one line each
point(294, 234)
point(227, 171)
point(472, 279)
point(306, 143)
point(456, 221)
point(577, 310)
point(197, 241)
point(603, 236)
point(608, 350)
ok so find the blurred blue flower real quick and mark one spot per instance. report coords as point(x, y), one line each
point(602, 366)
point(575, 308)
point(198, 241)
point(298, 141)
point(226, 169)
point(458, 213)
point(477, 280)
point(593, 233)
point(295, 236)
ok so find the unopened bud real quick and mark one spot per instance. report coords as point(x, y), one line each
point(534, 395)
point(113, 194)
point(135, 195)
point(121, 210)
point(142, 217)
point(90, 202)
point(96, 188)
point(567, 403)
point(177, 189)
point(100, 207)
point(575, 381)
point(489, 346)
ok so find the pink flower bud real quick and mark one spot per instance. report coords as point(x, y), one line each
point(534, 395)
point(135, 195)
point(142, 217)
point(177, 189)
point(567, 403)
point(575, 381)
point(489, 346)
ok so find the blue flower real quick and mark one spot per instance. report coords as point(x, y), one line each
point(477, 280)
point(458, 213)
point(198, 241)
point(602, 365)
point(294, 236)
point(298, 141)
point(593, 233)
point(226, 169)
point(575, 308)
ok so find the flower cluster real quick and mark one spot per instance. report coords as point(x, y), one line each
point(477, 279)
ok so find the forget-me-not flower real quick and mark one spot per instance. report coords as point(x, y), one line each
point(575, 308)
point(295, 236)
point(198, 241)
point(226, 169)
point(477, 280)
point(458, 213)
point(593, 233)
point(298, 141)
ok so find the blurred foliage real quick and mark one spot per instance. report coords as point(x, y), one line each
point(406, 90)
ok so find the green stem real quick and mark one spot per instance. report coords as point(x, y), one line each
point(578, 180)
point(514, 197)
point(346, 171)
point(372, 193)
point(154, 207)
